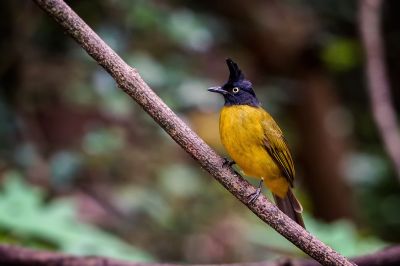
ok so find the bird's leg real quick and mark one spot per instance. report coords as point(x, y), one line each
point(253, 196)
point(228, 162)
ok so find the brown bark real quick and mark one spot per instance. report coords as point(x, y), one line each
point(17, 256)
point(322, 151)
point(378, 84)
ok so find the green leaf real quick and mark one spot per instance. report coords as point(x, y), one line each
point(25, 215)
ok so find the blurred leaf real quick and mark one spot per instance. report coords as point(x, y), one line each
point(150, 69)
point(193, 92)
point(149, 201)
point(25, 154)
point(388, 204)
point(80, 94)
point(64, 166)
point(180, 180)
point(143, 14)
point(187, 29)
point(102, 141)
point(113, 101)
point(365, 168)
point(113, 36)
point(341, 54)
point(25, 214)
point(341, 236)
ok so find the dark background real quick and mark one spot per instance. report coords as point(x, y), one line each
point(84, 170)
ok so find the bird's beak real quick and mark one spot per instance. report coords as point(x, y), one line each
point(218, 90)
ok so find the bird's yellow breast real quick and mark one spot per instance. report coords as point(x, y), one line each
point(242, 130)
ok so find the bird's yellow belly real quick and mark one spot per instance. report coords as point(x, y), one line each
point(242, 135)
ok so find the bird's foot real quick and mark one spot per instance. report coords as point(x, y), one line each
point(254, 196)
point(228, 162)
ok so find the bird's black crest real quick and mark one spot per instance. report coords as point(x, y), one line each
point(235, 74)
point(237, 90)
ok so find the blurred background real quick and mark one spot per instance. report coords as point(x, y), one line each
point(84, 170)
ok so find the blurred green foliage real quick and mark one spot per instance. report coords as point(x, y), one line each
point(341, 54)
point(28, 219)
point(55, 225)
point(340, 235)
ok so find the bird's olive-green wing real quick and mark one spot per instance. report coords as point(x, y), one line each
point(277, 147)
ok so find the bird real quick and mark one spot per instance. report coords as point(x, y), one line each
point(255, 142)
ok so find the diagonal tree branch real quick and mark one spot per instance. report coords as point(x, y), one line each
point(378, 85)
point(129, 80)
point(17, 256)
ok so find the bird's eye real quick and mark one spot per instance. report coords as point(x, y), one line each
point(235, 90)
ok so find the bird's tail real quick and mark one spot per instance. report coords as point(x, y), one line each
point(290, 206)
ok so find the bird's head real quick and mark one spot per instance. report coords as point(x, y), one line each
point(237, 90)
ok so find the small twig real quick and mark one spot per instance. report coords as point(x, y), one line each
point(378, 85)
point(17, 256)
point(130, 81)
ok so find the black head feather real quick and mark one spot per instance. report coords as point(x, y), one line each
point(235, 74)
point(237, 90)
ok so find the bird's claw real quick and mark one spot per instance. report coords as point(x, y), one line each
point(228, 162)
point(254, 196)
